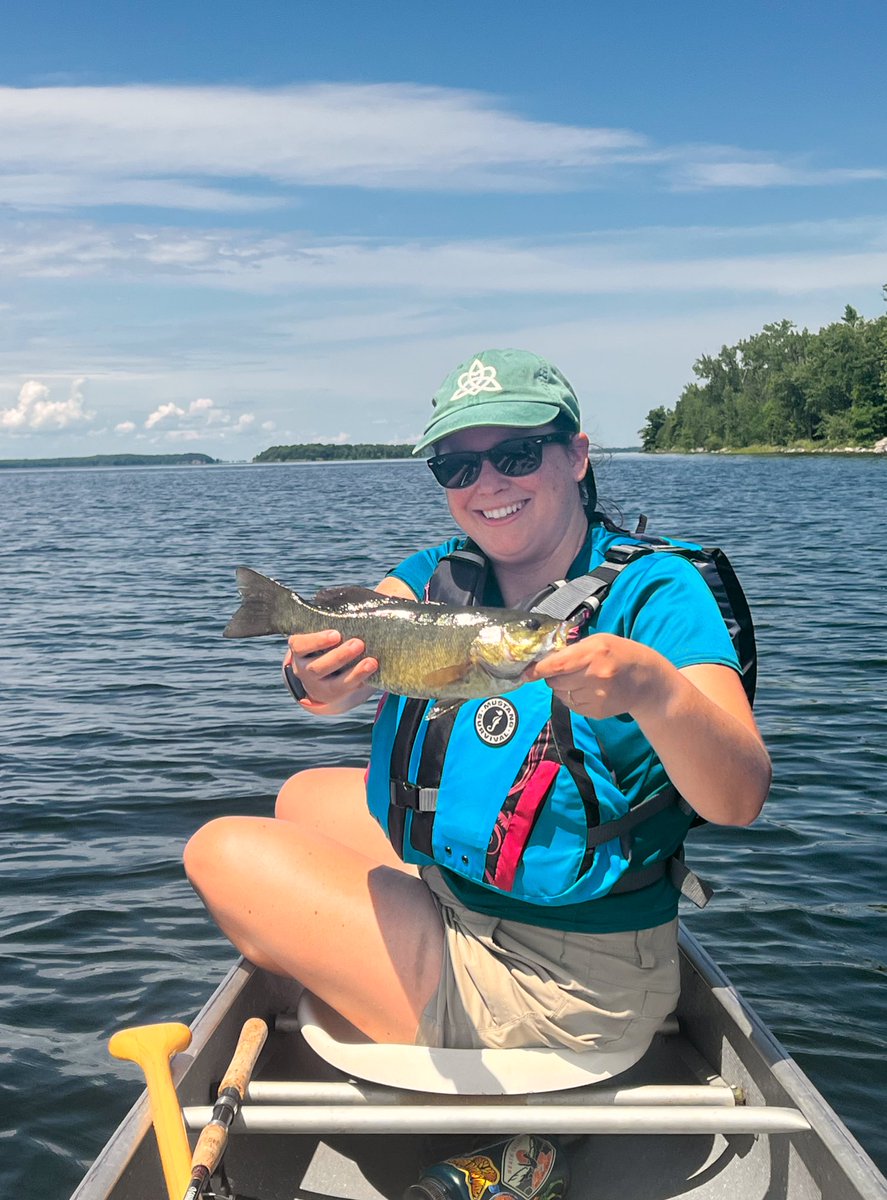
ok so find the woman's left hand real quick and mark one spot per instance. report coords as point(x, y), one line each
point(603, 675)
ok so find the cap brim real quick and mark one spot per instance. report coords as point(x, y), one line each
point(516, 413)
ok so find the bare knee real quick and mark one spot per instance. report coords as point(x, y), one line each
point(213, 850)
point(292, 796)
point(300, 796)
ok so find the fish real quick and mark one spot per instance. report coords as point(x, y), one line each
point(424, 649)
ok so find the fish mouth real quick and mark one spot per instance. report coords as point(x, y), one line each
point(507, 669)
point(513, 668)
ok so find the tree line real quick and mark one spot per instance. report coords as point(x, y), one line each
point(189, 459)
point(331, 451)
point(783, 387)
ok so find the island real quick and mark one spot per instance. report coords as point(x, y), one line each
point(191, 459)
point(333, 452)
point(784, 390)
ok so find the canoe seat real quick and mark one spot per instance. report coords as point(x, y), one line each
point(452, 1072)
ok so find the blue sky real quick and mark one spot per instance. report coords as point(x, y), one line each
point(228, 225)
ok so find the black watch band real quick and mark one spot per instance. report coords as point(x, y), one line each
point(293, 682)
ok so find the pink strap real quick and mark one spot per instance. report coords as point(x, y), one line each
point(520, 826)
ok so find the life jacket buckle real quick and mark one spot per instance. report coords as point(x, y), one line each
point(624, 554)
point(409, 795)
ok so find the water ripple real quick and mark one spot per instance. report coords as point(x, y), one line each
point(128, 722)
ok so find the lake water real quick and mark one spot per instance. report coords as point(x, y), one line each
point(127, 722)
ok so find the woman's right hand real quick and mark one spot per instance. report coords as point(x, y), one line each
point(334, 674)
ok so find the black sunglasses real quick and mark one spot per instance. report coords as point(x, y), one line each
point(513, 457)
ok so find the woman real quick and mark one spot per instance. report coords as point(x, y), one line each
point(431, 951)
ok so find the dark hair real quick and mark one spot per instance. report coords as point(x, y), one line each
point(562, 423)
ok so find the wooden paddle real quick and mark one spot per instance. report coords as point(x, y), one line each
point(214, 1136)
point(152, 1046)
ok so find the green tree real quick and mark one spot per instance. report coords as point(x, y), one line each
point(783, 385)
point(649, 434)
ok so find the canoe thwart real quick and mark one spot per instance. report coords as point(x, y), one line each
point(504, 1118)
point(355, 1092)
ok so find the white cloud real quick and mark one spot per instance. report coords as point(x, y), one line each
point(196, 147)
point(42, 190)
point(201, 415)
point(370, 135)
point(35, 411)
point(611, 262)
point(125, 427)
point(766, 174)
point(166, 412)
point(55, 250)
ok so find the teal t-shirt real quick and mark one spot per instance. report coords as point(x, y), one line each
point(662, 601)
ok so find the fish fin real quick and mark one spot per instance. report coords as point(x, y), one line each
point(360, 598)
point(446, 675)
point(264, 607)
point(345, 595)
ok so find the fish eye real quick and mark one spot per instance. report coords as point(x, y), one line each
point(533, 623)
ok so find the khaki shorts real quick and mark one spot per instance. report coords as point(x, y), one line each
point(506, 984)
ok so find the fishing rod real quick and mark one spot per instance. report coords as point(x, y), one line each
point(214, 1135)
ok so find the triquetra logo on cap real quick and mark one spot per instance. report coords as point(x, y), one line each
point(478, 378)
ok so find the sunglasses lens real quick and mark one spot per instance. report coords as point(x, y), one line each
point(517, 458)
point(456, 470)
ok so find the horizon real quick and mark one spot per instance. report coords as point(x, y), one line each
point(219, 226)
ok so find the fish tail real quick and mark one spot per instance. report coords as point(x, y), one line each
point(266, 607)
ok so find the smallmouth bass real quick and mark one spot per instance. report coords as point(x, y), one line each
point(425, 650)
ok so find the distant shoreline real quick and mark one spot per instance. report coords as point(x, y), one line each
point(201, 460)
point(194, 459)
point(780, 451)
point(114, 460)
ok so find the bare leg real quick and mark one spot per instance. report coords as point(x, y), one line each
point(345, 919)
point(332, 801)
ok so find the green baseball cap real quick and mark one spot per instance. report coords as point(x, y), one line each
point(499, 387)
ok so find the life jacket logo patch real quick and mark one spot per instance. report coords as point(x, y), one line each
point(495, 722)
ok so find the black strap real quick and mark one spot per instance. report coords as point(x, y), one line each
point(407, 731)
point(639, 813)
point(293, 682)
point(687, 882)
point(574, 760)
point(428, 773)
point(460, 577)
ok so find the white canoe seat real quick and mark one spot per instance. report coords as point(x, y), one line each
point(422, 1089)
point(452, 1072)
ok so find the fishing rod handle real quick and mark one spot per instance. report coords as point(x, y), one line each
point(246, 1055)
point(214, 1136)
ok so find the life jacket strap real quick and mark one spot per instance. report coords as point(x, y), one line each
point(687, 882)
point(568, 597)
point(460, 577)
point(639, 813)
point(410, 795)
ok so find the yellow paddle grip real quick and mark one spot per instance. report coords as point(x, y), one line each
point(152, 1046)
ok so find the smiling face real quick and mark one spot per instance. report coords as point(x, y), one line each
point(529, 523)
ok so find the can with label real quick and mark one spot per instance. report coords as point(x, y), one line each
point(525, 1167)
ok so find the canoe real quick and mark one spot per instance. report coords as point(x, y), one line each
point(716, 1108)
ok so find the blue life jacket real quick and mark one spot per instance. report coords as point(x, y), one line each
point(514, 792)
